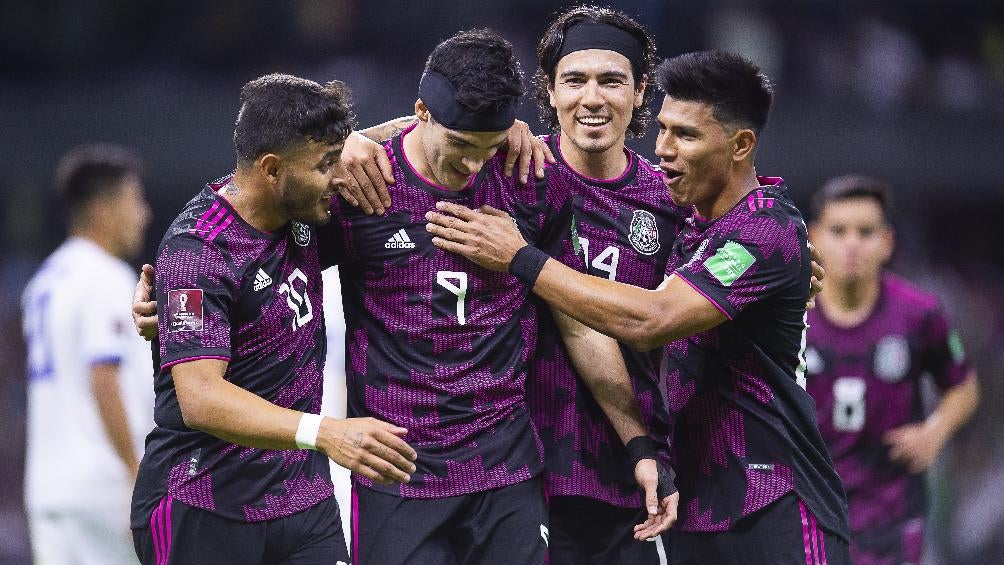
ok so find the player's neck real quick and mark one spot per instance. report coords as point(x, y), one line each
point(605, 165)
point(254, 201)
point(849, 304)
point(739, 184)
point(99, 235)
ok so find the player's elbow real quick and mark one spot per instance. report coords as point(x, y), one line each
point(645, 334)
point(194, 411)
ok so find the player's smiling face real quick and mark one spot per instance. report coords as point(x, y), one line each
point(308, 181)
point(453, 156)
point(594, 95)
point(695, 152)
point(854, 239)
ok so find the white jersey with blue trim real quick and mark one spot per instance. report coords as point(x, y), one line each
point(77, 314)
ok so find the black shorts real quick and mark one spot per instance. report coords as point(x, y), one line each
point(784, 533)
point(504, 525)
point(585, 531)
point(183, 535)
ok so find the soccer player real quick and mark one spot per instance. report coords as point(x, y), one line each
point(870, 342)
point(756, 482)
point(89, 395)
point(592, 88)
point(230, 473)
point(442, 347)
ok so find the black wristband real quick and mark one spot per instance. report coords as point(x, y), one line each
point(641, 447)
point(527, 264)
point(667, 481)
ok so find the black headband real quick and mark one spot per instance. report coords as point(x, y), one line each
point(440, 98)
point(595, 35)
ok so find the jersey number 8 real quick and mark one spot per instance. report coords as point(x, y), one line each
point(849, 404)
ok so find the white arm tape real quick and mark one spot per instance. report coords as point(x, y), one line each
point(306, 432)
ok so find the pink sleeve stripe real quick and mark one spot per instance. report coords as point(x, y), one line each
point(222, 226)
point(708, 298)
point(206, 215)
point(187, 359)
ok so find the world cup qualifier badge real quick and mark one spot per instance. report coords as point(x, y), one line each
point(301, 234)
point(644, 233)
point(184, 310)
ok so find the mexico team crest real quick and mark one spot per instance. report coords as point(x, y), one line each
point(301, 234)
point(892, 358)
point(644, 233)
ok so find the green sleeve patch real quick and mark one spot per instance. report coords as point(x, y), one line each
point(576, 245)
point(729, 263)
point(955, 347)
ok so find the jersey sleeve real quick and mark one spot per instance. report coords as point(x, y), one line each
point(944, 356)
point(103, 331)
point(196, 291)
point(557, 229)
point(760, 260)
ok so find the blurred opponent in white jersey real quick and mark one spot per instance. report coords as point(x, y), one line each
point(90, 392)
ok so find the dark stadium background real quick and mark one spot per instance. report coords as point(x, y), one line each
point(911, 92)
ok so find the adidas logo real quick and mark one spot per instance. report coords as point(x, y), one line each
point(261, 280)
point(399, 240)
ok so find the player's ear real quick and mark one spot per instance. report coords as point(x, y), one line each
point(421, 111)
point(639, 91)
point(888, 243)
point(743, 143)
point(550, 94)
point(268, 166)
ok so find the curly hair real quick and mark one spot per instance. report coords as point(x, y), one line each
point(481, 66)
point(279, 111)
point(550, 46)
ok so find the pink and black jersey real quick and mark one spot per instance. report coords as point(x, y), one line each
point(745, 430)
point(623, 230)
point(228, 291)
point(435, 343)
point(866, 381)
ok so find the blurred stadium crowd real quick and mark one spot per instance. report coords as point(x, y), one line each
point(909, 92)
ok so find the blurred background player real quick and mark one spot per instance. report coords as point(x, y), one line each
point(235, 470)
point(871, 340)
point(756, 482)
point(90, 395)
point(592, 89)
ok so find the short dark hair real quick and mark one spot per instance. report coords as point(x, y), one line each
point(550, 47)
point(482, 67)
point(89, 171)
point(736, 88)
point(852, 186)
point(279, 111)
